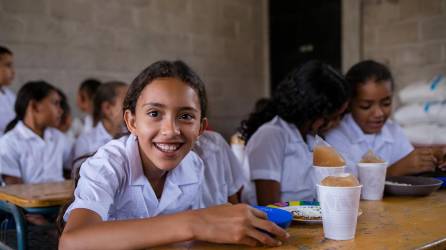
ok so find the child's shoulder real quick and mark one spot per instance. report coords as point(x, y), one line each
point(277, 129)
point(211, 138)
point(110, 159)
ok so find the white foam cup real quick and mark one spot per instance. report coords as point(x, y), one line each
point(339, 206)
point(319, 173)
point(372, 176)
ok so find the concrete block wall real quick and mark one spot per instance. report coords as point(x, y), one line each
point(408, 35)
point(66, 41)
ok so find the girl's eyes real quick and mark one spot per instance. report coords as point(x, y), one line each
point(153, 113)
point(365, 107)
point(186, 117)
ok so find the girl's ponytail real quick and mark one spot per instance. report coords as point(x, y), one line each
point(12, 124)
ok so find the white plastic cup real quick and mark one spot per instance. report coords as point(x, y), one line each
point(339, 206)
point(319, 173)
point(372, 176)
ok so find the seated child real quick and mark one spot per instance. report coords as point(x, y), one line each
point(85, 96)
point(223, 176)
point(32, 150)
point(134, 192)
point(107, 119)
point(367, 125)
point(7, 97)
point(309, 101)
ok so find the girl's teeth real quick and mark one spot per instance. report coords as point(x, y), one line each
point(167, 147)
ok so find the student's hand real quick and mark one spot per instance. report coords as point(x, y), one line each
point(423, 160)
point(237, 224)
point(440, 154)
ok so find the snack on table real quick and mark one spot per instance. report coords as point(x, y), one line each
point(326, 156)
point(342, 180)
point(371, 157)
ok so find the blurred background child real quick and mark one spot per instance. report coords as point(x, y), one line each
point(223, 175)
point(309, 101)
point(32, 150)
point(7, 97)
point(85, 96)
point(107, 120)
point(367, 126)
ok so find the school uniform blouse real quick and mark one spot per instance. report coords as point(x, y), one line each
point(34, 159)
point(113, 185)
point(390, 144)
point(277, 151)
point(7, 114)
point(222, 171)
point(88, 143)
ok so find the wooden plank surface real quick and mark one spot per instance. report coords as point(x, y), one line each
point(38, 195)
point(393, 223)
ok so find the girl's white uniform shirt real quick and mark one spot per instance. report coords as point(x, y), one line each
point(277, 151)
point(390, 144)
point(222, 170)
point(88, 143)
point(7, 113)
point(34, 159)
point(113, 185)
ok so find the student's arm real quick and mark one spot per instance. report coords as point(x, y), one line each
point(418, 161)
point(268, 192)
point(237, 224)
point(9, 180)
point(266, 152)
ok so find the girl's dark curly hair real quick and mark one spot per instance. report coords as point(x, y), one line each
point(313, 91)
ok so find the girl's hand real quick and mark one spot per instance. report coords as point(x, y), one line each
point(423, 160)
point(237, 224)
point(440, 154)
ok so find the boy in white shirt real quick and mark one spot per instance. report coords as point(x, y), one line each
point(7, 97)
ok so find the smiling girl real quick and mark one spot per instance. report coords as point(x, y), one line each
point(367, 126)
point(132, 192)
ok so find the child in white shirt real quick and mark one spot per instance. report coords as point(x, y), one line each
point(367, 126)
point(7, 97)
point(309, 101)
point(108, 120)
point(32, 150)
point(165, 110)
point(85, 96)
point(222, 170)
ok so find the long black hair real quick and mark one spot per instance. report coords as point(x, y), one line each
point(315, 90)
point(33, 90)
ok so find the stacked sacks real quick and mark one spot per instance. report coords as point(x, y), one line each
point(423, 114)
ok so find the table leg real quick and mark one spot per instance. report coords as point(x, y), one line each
point(19, 218)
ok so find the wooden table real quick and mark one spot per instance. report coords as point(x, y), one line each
point(393, 223)
point(33, 198)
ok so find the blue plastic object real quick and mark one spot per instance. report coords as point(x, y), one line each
point(281, 217)
point(443, 179)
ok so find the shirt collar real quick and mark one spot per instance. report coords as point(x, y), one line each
point(27, 133)
point(290, 129)
point(183, 174)
point(357, 135)
point(103, 133)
